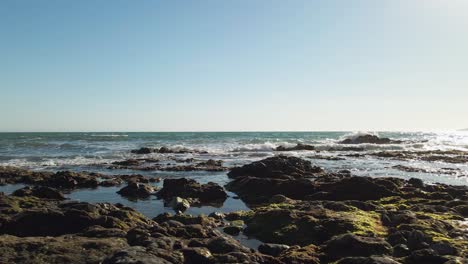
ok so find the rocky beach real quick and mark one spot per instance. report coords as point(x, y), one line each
point(163, 204)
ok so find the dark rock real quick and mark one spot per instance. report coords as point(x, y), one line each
point(354, 188)
point(188, 188)
point(426, 256)
point(129, 162)
point(299, 146)
point(349, 245)
point(272, 249)
point(41, 192)
point(196, 255)
point(276, 167)
point(217, 215)
point(143, 150)
point(369, 139)
point(444, 248)
point(135, 255)
point(415, 182)
point(222, 245)
point(367, 260)
point(137, 190)
point(259, 190)
point(401, 250)
point(232, 230)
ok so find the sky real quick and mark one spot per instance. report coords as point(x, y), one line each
point(241, 65)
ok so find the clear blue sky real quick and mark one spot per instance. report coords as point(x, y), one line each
point(233, 65)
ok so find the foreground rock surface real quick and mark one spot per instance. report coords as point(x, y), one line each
point(300, 213)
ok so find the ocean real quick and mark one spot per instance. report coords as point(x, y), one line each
point(96, 151)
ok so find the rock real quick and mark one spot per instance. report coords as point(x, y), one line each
point(49, 218)
point(62, 249)
point(444, 248)
point(304, 223)
point(232, 230)
point(137, 190)
point(369, 139)
point(129, 162)
point(276, 167)
point(223, 245)
point(70, 180)
point(349, 245)
point(188, 188)
point(272, 249)
point(299, 146)
point(41, 192)
point(217, 215)
point(401, 250)
point(346, 189)
point(415, 182)
point(110, 183)
point(197, 255)
point(367, 260)
point(300, 255)
point(209, 165)
point(259, 190)
point(179, 204)
point(135, 255)
point(426, 256)
point(143, 150)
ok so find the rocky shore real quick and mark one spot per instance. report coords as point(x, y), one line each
point(300, 213)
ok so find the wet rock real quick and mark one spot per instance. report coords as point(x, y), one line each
point(209, 165)
point(369, 139)
point(321, 157)
point(346, 189)
point(232, 230)
point(272, 249)
point(49, 218)
point(197, 255)
point(223, 245)
point(276, 167)
point(254, 190)
point(111, 182)
point(401, 250)
point(444, 248)
point(300, 255)
point(217, 215)
point(129, 162)
point(143, 150)
point(179, 204)
point(137, 190)
point(426, 256)
point(367, 260)
point(299, 146)
point(135, 255)
point(67, 179)
point(62, 249)
point(415, 182)
point(41, 192)
point(349, 245)
point(188, 188)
